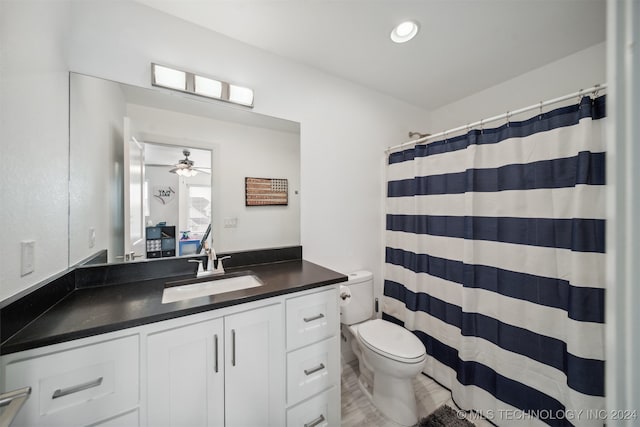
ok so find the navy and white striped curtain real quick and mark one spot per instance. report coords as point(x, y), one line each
point(495, 259)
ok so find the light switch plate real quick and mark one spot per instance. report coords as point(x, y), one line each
point(92, 237)
point(28, 255)
point(231, 222)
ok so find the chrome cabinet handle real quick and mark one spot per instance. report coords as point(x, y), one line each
point(311, 319)
point(215, 350)
point(76, 388)
point(13, 400)
point(10, 396)
point(308, 372)
point(233, 347)
point(315, 422)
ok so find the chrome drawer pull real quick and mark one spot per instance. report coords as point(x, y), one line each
point(311, 319)
point(315, 422)
point(76, 388)
point(308, 372)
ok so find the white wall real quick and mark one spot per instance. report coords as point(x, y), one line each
point(344, 127)
point(567, 75)
point(33, 139)
point(158, 211)
point(96, 162)
point(239, 151)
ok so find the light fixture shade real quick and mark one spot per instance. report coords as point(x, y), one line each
point(207, 87)
point(191, 83)
point(404, 32)
point(168, 77)
point(240, 95)
point(186, 172)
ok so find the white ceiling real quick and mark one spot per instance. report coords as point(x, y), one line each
point(169, 155)
point(464, 46)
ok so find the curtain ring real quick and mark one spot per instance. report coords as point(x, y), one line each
point(595, 95)
point(540, 116)
point(579, 99)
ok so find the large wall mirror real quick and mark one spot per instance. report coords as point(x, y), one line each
point(153, 173)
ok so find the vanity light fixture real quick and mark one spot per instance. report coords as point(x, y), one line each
point(169, 78)
point(404, 31)
point(187, 82)
point(240, 95)
point(207, 87)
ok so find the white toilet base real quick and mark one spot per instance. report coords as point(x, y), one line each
point(395, 398)
point(388, 383)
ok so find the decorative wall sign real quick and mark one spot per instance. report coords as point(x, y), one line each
point(266, 191)
point(164, 193)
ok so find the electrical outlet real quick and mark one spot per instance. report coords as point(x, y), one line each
point(28, 254)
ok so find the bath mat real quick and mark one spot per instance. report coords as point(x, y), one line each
point(444, 416)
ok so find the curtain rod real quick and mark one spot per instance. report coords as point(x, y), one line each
point(506, 115)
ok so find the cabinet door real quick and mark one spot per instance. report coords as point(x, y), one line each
point(254, 368)
point(185, 376)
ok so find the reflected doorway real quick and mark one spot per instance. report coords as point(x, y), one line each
point(176, 200)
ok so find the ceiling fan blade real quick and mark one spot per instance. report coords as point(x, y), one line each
point(203, 170)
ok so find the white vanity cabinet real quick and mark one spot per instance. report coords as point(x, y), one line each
point(185, 375)
point(270, 362)
point(226, 371)
point(313, 359)
point(79, 383)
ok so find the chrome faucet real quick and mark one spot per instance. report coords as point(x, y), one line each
point(201, 271)
point(219, 267)
point(214, 264)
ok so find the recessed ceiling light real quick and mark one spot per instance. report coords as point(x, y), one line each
point(404, 32)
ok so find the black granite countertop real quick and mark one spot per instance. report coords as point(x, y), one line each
point(93, 310)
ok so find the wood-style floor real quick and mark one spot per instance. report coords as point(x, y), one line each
point(358, 411)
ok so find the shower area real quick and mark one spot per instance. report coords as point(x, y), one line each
point(495, 259)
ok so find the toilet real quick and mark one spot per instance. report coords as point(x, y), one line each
point(389, 356)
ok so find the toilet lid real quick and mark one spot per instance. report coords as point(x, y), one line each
point(391, 340)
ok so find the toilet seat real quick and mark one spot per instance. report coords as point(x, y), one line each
point(391, 341)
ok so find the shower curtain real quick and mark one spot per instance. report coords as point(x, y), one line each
point(495, 259)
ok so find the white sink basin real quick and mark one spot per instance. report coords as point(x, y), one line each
point(212, 287)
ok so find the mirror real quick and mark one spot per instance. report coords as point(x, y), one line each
point(126, 144)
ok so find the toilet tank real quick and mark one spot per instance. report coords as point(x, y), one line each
point(360, 306)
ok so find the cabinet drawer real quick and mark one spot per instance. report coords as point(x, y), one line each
point(320, 411)
point(130, 419)
point(78, 386)
point(311, 318)
point(312, 369)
